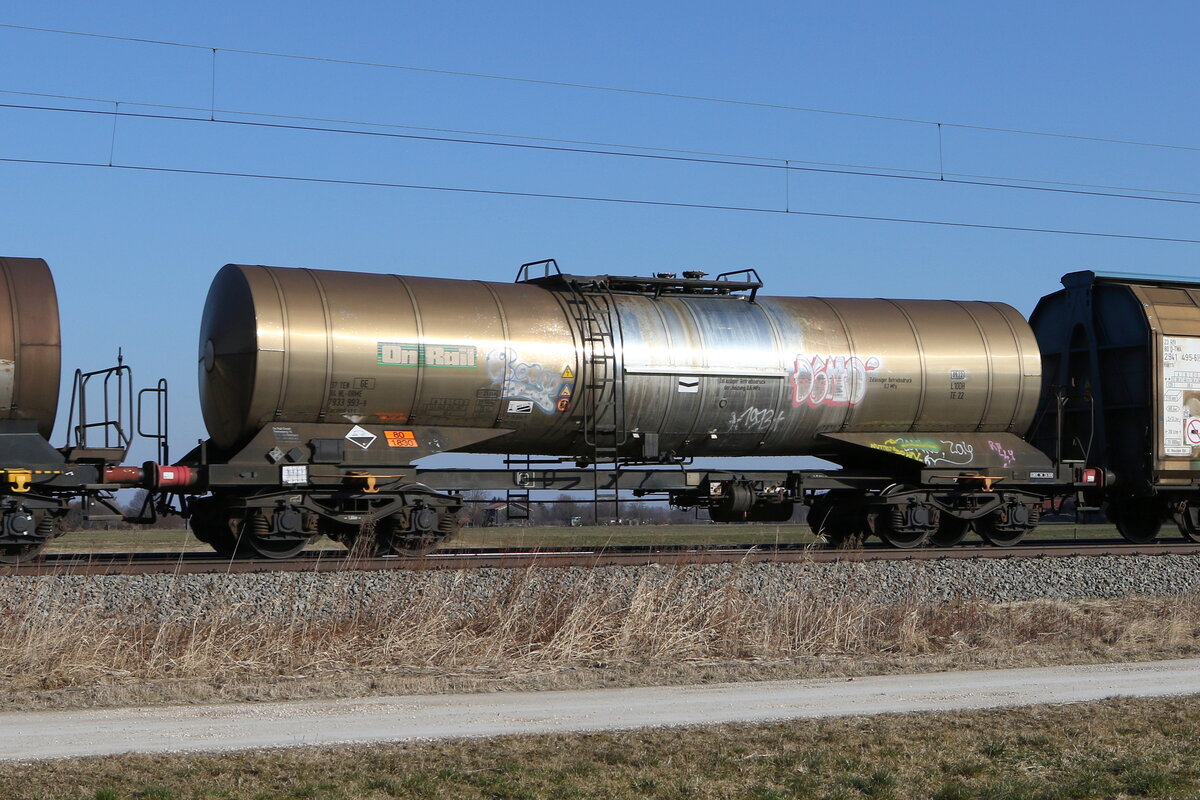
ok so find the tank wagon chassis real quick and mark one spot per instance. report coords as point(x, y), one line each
point(269, 501)
point(845, 507)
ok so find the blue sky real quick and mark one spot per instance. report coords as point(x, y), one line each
point(133, 252)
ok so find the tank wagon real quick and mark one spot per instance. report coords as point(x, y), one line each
point(320, 389)
point(38, 482)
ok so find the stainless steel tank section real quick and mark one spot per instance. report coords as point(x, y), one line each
point(30, 348)
point(709, 375)
point(716, 375)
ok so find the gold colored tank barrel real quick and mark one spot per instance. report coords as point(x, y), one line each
point(30, 347)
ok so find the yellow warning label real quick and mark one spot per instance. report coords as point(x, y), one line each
point(566, 391)
point(567, 373)
point(400, 438)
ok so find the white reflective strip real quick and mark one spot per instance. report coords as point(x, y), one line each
point(725, 372)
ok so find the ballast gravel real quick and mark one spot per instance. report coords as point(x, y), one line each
point(153, 597)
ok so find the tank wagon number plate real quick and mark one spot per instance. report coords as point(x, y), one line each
point(400, 438)
point(1180, 395)
point(422, 354)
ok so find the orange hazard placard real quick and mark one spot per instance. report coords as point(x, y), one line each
point(400, 438)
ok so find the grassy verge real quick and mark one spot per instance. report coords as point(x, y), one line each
point(1113, 749)
point(536, 629)
point(537, 536)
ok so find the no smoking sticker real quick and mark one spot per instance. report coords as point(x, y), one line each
point(1192, 430)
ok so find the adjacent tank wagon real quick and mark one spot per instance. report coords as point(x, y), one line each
point(39, 482)
point(30, 348)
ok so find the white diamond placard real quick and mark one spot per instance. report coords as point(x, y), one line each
point(361, 437)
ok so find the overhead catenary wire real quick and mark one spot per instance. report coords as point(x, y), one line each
point(741, 161)
point(603, 88)
point(600, 199)
point(667, 154)
point(593, 143)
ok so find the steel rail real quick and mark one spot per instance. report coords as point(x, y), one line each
point(523, 558)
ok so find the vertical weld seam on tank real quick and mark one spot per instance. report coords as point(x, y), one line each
point(286, 336)
point(850, 348)
point(580, 362)
point(321, 409)
point(1020, 401)
point(781, 387)
point(923, 392)
point(14, 400)
point(991, 364)
point(419, 383)
point(704, 384)
point(672, 393)
point(598, 401)
point(618, 387)
point(507, 337)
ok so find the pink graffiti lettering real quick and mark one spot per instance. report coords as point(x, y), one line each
point(1006, 454)
point(831, 380)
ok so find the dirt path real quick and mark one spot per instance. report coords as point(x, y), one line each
point(232, 727)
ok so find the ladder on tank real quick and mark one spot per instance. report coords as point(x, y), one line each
point(600, 386)
point(602, 395)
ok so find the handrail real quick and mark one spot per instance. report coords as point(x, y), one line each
point(545, 264)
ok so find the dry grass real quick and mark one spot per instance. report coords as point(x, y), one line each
point(174, 541)
point(544, 634)
point(1113, 749)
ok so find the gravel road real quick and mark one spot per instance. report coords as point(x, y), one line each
point(40, 735)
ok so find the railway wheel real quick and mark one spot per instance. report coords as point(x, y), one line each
point(1008, 524)
point(905, 526)
point(242, 533)
point(210, 524)
point(1138, 519)
point(254, 535)
point(19, 552)
point(26, 534)
point(414, 531)
point(951, 530)
point(1187, 517)
point(839, 518)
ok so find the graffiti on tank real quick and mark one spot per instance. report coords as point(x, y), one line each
point(755, 419)
point(1006, 454)
point(831, 380)
point(524, 381)
point(955, 453)
point(930, 452)
point(915, 449)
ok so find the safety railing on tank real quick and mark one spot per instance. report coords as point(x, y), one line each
point(523, 273)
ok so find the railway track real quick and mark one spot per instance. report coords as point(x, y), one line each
point(519, 558)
